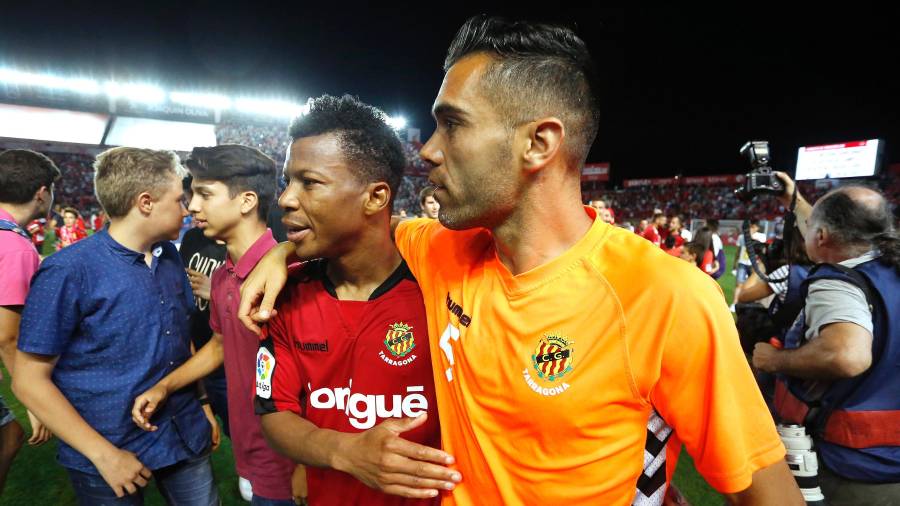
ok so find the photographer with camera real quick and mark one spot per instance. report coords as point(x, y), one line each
point(838, 369)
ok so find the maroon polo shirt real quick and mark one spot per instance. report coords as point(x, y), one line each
point(268, 472)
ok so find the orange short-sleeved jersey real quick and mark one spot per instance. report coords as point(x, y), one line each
point(545, 381)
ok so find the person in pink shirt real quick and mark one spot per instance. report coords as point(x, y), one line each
point(26, 193)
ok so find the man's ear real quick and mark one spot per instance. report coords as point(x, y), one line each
point(249, 202)
point(823, 237)
point(145, 203)
point(41, 195)
point(378, 198)
point(543, 142)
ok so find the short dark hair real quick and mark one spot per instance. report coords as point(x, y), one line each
point(696, 249)
point(856, 223)
point(713, 225)
point(370, 146)
point(424, 193)
point(240, 168)
point(22, 173)
point(539, 70)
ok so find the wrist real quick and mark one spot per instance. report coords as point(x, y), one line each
point(779, 359)
point(339, 460)
point(101, 452)
point(288, 252)
point(166, 385)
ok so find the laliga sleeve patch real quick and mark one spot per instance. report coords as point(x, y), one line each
point(265, 366)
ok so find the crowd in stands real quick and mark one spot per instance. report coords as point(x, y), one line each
point(271, 139)
point(77, 188)
point(631, 204)
point(696, 202)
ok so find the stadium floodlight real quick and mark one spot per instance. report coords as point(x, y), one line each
point(79, 85)
point(135, 92)
point(206, 100)
point(281, 108)
point(396, 122)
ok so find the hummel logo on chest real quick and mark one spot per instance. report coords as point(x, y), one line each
point(311, 346)
point(457, 310)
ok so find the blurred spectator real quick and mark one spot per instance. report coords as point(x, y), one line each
point(642, 225)
point(742, 261)
point(98, 219)
point(706, 259)
point(430, 207)
point(72, 230)
point(37, 230)
point(676, 228)
point(652, 232)
point(671, 246)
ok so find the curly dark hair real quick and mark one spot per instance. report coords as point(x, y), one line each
point(539, 70)
point(371, 147)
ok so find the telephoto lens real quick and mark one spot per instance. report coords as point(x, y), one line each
point(802, 461)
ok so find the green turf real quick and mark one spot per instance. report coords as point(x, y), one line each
point(36, 478)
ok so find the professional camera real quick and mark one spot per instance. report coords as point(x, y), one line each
point(761, 179)
point(802, 461)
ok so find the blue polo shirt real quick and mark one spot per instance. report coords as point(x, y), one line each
point(118, 328)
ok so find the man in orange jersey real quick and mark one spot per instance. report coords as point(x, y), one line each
point(565, 350)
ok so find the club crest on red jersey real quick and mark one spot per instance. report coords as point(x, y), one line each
point(553, 357)
point(399, 339)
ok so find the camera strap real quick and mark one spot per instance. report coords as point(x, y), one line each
point(790, 221)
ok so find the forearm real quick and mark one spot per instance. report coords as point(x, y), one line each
point(302, 441)
point(770, 485)
point(41, 396)
point(754, 289)
point(802, 211)
point(814, 360)
point(10, 316)
point(8, 352)
point(201, 364)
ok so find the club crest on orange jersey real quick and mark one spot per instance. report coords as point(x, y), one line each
point(553, 357)
point(400, 340)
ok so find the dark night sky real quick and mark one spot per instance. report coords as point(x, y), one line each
point(681, 89)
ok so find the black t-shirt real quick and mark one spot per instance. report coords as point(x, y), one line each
point(203, 255)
